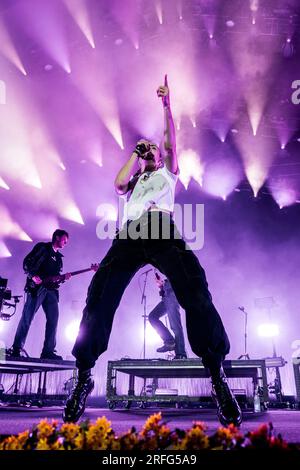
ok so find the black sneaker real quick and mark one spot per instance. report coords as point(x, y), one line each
point(75, 404)
point(166, 347)
point(52, 356)
point(229, 411)
point(13, 352)
point(180, 356)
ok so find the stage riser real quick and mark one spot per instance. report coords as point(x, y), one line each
point(140, 369)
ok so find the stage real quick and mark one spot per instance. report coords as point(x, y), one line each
point(19, 412)
point(287, 422)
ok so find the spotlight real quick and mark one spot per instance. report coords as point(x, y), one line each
point(71, 330)
point(282, 146)
point(288, 49)
point(152, 337)
point(254, 5)
point(193, 121)
point(230, 24)
point(268, 330)
point(3, 184)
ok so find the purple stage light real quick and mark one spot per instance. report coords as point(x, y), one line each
point(71, 330)
point(268, 330)
point(4, 251)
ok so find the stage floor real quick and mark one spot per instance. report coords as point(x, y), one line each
point(286, 422)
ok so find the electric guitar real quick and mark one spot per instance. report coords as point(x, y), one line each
point(53, 282)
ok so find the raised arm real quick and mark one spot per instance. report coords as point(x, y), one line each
point(169, 130)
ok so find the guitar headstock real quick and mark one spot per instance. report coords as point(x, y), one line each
point(94, 266)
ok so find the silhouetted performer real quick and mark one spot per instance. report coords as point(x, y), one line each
point(168, 305)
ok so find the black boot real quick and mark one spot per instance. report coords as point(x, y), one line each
point(167, 346)
point(51, 355)
point(75, 404)
point(13, 352)
point(229, 411)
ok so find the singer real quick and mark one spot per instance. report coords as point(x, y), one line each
point(143, 239)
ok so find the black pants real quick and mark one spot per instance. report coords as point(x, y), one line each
point(170, 307)
point(48, 299)
point(205, 329)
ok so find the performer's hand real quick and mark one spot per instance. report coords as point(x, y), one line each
point(164, 93)
point(142, 146)
point(160, 283)
point(68, 276)
point(95, 267)
point(37, 280)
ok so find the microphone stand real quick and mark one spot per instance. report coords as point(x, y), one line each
point(245, 355)
point(145, 316)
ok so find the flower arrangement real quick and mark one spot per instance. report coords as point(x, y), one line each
point(155, 435)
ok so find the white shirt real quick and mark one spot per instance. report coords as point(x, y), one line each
point(155, 189)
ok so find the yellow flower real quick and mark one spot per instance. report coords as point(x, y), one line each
point(153, 423)
point(69, 431)
point(43, 444)
point(195, 438)
point(97, 434)
point(79, 441)
point(45, 429)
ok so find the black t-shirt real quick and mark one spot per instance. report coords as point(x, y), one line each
point(43, 261)
point(52, 265)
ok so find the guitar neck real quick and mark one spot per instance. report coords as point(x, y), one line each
point(74, 273)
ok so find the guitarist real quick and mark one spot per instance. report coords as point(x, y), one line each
point(43, 261)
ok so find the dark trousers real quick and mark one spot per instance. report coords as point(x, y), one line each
point(48, 299)
point(205, 329)
point(171, 308)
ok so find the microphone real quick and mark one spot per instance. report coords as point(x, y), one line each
point(142, 148)
point(241, 308)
